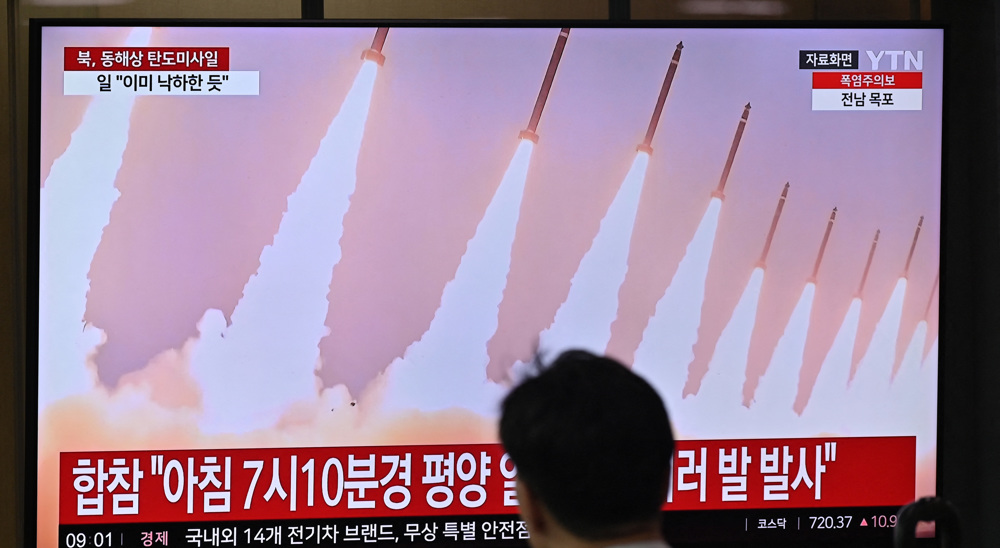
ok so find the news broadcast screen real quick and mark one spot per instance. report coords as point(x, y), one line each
point(287, 273)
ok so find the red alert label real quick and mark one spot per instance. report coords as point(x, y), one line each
point(867, 90)
point(145, 59)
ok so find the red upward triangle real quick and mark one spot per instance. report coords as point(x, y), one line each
point(864, 522)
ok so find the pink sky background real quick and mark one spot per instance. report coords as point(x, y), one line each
point(204, 182)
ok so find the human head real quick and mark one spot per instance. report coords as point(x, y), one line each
point(592, 444)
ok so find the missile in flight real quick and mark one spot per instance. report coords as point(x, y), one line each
point(868, 265)
point(774, 225)
point(719, 192)
point(822, 245)
point(543, 94)
point(647, 143)
point(913, 246)
point(374, 53)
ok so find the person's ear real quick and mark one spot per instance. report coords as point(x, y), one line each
point(533, 514)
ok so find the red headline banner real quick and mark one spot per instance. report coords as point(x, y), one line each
point(132, 59)
point(863, 80)
point(442, 480)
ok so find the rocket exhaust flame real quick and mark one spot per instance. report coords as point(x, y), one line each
point(774, 225)
point(647, 143)
point(543, 94)
point(75, 207)
point(868, 265)
point(720, 191)
point(913, 246)
point(281, 316)
point(584, 319)
point(822, 246)
point(374, 53)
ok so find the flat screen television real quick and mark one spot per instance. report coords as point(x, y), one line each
point(286, 272)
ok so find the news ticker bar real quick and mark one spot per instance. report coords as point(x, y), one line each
point(856, 525)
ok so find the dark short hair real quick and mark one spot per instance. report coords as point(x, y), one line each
point(592, 441)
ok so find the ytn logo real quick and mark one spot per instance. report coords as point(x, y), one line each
point(910, 61)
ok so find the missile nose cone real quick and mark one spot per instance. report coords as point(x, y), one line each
point(680, 45)
point(747, 105)
point(784, 193)
point(921, 221)
point(877, 232)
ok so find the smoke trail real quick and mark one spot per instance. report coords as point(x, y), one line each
point(905, 406)
point(868, 393)
point(775, 395)
point(721, 391)
point(913, 394)
point(667, 343)
point(927, 434)
point(75, 206)
point(584, 319)
point(447, 366)
point(266, 360)
point(827, 397)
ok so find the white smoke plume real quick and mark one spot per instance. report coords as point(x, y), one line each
point(447, 367)
point(254, 369)
point(668, 340)
point(584, 319)
point(721, 391)
point(75, 206)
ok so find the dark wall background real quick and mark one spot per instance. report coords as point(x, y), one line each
point(969, 408)
point(969, 416)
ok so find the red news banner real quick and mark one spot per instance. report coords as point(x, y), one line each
point(443, 480)
point(145, 58)
point(868, 80)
